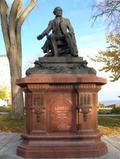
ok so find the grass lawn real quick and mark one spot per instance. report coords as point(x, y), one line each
point(11, 125)
point(107, 125)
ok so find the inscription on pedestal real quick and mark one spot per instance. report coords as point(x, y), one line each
point(61, 116)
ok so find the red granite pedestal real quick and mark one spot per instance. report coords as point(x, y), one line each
point(61, 120)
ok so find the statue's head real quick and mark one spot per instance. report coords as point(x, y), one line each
point(58, 11)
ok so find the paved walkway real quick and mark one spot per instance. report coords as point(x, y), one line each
point(9, 142)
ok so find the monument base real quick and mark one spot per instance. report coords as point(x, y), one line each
point(73, 147)
point(61, 116)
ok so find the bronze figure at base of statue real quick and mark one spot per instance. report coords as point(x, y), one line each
point(61, 100)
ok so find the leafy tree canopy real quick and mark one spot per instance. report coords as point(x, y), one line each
point(111, 57)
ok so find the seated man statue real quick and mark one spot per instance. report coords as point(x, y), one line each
point(61, 30)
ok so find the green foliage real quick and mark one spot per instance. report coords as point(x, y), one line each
point(108, 121)
point(104, 111)
point(101, 105)
point(5, 109)
point(110, 58)
point(3, 93)
point(115, 110)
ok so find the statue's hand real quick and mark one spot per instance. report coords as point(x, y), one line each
point(40, 37)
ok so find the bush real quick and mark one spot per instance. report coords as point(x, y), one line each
point(104, 111)
point(109, 121)
point(5, 109)
point(115, 110)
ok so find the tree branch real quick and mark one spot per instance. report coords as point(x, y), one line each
point(4, 10)
point(111, 10)
point(4, 7)
point(12, 20)
point(19, 10)
point(20, 21)
point(26, 12)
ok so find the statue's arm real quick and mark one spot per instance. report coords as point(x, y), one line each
point(70, 28)
point(45, 32)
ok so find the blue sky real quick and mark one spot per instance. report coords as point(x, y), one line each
point(90, 39)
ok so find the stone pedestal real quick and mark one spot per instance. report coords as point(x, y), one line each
point(61, 116)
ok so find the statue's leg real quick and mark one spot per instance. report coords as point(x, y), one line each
point(45, 47)
point(74, 40)
point(71, 44)
point(54, 44)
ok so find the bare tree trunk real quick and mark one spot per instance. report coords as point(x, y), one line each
point(15, 62)
point(16, 92)
point(11, 22)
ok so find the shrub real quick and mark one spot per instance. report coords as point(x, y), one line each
point(115, 110)
point(104, 111)
point(5, 109)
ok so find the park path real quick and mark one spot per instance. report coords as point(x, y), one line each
point(9, 142)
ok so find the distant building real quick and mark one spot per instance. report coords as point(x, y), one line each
point(4, 71)
point(111, 103)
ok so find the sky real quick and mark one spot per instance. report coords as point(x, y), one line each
point(90, 38)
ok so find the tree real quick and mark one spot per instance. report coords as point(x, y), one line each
point(3, 93)
point(111, 56)
point(11, 22)
point(110, 10)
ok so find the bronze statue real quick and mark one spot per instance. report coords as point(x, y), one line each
point(62, 40)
